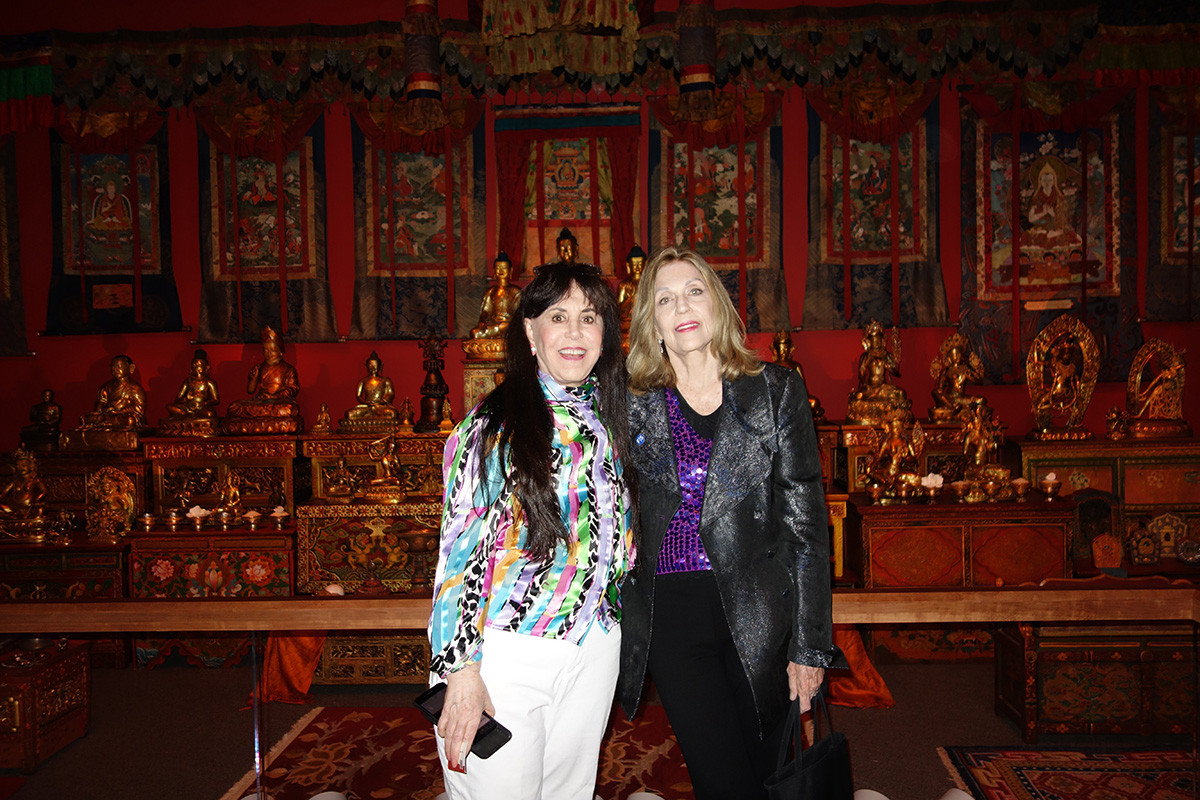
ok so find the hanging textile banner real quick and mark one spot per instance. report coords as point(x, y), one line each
point(26, 82)
point(569, 166)
point(873, 239)
point(1173, 268)
point(420, 264)
point(12, 309)
point(111, 269)
point(715, 188)
point(262, 225)
point(1063, 219)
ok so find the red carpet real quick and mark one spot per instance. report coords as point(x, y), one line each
point(1047, 773)
point(389, 753)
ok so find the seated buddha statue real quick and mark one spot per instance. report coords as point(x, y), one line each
point(194, 412)
point(22, 497)
point(781, 350)
point(951, 370)
point(44, 418)
point(627, 289)
point(875, 396)
point(499, 302)
point(121, 401)
point(374, 412)
point(272, 385)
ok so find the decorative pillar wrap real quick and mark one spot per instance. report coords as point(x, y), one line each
point(696, 27)
point(422, 66)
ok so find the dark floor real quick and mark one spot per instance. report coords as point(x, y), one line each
point(179, 733)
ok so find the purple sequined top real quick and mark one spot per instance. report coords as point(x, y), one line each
point(682, 550)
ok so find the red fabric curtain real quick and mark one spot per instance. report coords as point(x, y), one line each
point(1071, 118)
point(432, 143)
point(623, 161)
point(844, 122)
point(512, 165)
point(265, 142)
point(724, 132)
point(75, 130)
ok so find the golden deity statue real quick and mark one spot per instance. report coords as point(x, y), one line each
point(110, 504)
point(567, 246)
point(952, 369)
point(194, 412)
point(627, 289)
point(44, 418)
point(486, 340)
point(324, 422)
point(119, 413)
point(896, 463)
point(982, 438)
point(1154, 392)
point(340, 483)
point(272, 385)
point(781, 352)
point(230, 497)
point(1061, 371)
point(876, 397)
point(385, 488)
point(22, 514)
point(374, 412)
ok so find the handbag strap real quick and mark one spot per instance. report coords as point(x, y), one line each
point(795, 724)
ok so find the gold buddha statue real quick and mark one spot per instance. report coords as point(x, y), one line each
point(22, 514)
point(374, 412)
point(981, 441)
point(194, 412)
point(384, 488)
point(44, 418)
point(896, 461)
point(627, 289)
point(272, 385)
point(876, 397)
point(567, 246)
point(119, 413)
point(111, 500)
point(499, 302)
point(781, 351)
point(952, 369)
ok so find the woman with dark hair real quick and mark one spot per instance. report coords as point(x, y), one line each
point(730, 609)
point(537, 534)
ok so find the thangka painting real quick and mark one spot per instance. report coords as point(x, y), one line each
point(12, 310)
point(1172, 272)
point(111, 270)
point(858, 232)
point(420, 227)
point(729, 212)
point(262, 233)
point(574, 178)
point(1073, 239)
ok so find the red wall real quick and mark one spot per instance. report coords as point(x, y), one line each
point(76, 366)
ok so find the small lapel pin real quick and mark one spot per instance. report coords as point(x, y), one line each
point(641, 438)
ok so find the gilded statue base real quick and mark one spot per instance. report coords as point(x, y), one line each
point(875, 412)
point(383, 493)
point(375, 427)
point(199, 428)
point(26, 531)
point(264, 426)
point(1058, 433)
point(484, 349)
point(85, 439)
point(1158, 429)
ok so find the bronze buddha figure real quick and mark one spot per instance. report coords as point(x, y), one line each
point(43, 429)
point(119, 414)
point(876, 397)
point(374, 412)
point(952, 369)
point(194, 412)
point(499, 302)
point(22, 514)
point(272, 385)
point(781, 351)
point(627, 289)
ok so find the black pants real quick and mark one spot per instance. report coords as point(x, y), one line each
point(704, 690)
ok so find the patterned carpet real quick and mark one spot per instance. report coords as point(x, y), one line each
point(1047, 773)
point(389, 753)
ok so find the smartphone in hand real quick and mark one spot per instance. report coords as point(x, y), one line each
point(491, 735)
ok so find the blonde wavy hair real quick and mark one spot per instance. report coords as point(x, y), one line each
point(648, 363)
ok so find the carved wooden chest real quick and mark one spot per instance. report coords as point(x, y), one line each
point(44, 702)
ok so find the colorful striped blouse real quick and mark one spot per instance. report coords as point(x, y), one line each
point(484, 577)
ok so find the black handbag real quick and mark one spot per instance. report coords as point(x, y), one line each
point(820, 771)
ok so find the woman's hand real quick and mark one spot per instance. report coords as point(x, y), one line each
point(804, 682)
point(466, 700)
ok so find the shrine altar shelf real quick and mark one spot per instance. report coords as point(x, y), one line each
point(418, 459)
point(189, 472)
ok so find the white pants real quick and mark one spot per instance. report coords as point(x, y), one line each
point(555, 697)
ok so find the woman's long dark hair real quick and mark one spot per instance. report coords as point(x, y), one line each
point(518, 418)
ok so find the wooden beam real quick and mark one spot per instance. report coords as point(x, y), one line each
point(870, 607)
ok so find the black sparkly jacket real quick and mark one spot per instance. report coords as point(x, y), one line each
point(763, 525)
